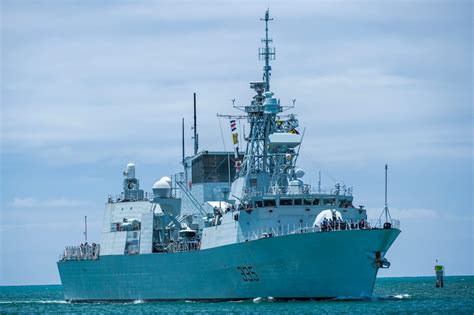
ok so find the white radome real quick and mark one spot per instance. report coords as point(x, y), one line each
point(162, 188)
point(161, 184)
point(166, 179)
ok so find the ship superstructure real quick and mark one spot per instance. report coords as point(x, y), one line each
point(233, 225)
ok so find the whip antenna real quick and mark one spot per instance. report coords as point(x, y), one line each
point(385, 211)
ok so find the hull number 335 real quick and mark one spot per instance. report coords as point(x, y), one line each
point(248, 274)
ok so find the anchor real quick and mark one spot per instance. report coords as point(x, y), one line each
point(380, 262)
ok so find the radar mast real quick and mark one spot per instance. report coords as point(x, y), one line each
point(267, 53)
point(268, 165)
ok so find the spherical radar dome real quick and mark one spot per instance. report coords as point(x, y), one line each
point(162, 189)
point(166, 179)
point(161, 184)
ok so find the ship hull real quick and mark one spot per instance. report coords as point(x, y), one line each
point(299, 266)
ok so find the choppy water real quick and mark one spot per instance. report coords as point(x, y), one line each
point(391, 295)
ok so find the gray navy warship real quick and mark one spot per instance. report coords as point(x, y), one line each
point(233, 225)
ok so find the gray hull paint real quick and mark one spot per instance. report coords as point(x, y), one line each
point(299, 266)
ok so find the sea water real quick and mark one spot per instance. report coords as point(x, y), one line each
point(391, 295)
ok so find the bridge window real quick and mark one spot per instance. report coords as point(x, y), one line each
point(269, 203)
point(307, 202)
point(345, 204)
point(316, 202)
point(258, 204)
point(298, 202)
point(286, 202)
point(329, 201)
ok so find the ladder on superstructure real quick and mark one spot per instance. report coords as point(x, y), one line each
point(191, 197)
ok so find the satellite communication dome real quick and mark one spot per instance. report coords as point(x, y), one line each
point(166, 179)
point(162, 189)
point(328, 214)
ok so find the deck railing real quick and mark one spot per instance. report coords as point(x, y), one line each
point(82, 252)
point(183, 246)
point(288, 229)
point(305, 190)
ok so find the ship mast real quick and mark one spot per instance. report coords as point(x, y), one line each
point(263, 168)
point(267, 53)
point(269, 161)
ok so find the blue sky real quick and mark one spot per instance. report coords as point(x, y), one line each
point(88, 86)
